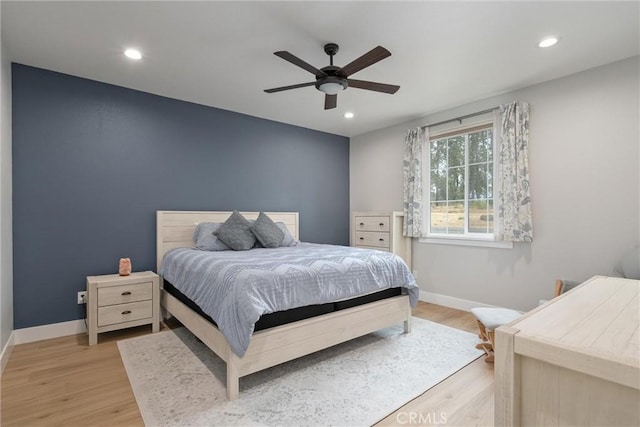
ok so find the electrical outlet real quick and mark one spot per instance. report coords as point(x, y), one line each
point(82, 297)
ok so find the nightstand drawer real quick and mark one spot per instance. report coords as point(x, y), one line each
point(124, 312)
point(372, 223)
point(125, 293)
point(370, 238)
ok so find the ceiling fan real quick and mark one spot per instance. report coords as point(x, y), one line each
point(333, 79)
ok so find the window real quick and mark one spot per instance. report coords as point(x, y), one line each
point(460, 186)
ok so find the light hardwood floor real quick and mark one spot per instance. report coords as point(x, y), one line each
point(63, 381)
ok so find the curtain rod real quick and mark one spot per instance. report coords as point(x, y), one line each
point(460, 118)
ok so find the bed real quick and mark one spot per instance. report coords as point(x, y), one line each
point(274, 344)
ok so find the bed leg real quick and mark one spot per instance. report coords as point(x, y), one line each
point(407, 325)
point(233, 380)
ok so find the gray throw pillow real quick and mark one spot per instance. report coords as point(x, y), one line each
point(205, 240)
point(288, 239)
point(236, 233)
point(267, 232)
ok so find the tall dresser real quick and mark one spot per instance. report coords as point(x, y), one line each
point(382, 231)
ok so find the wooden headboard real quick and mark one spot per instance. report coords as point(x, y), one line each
point(174, 229)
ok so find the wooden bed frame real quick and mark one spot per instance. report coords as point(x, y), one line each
point(280, 344)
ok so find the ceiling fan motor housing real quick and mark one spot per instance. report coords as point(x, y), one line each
point(332, 75)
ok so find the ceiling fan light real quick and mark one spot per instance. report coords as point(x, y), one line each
point(133, 54)
point(548, 42)
point(331, 88)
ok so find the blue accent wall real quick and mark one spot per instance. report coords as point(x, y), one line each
point(93, 162)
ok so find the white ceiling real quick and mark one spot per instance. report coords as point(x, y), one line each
point(444, 54)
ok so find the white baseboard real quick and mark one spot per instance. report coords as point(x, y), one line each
point(451, 302)
point(73, 327)
point(6, 351)
point(45, 332)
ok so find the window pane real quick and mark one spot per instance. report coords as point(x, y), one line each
point(438, 217)
point(488, 138)
point(478, 182)
point(456, 151)
point(456, 183)
point(438, 154)
point(438, 184)
point(479, 216)
point(480, 147)
point(455, 218)
point(477, 153)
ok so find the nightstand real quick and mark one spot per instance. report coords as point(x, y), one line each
point(118, 302)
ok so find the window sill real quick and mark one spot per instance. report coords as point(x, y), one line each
point(467, 241)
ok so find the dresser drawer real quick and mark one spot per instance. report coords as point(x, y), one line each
point(372, 223)
point(370, 238)
point(374, 248)
point(124, 312)
point(125, 293)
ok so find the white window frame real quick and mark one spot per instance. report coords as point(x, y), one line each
point(466, 239)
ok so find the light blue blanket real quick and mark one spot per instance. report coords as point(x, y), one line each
point(235, 288)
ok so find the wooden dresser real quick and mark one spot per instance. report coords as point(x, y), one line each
point(574, 360)
point(382, 231)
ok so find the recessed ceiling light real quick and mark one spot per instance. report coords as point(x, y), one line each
point(133, 53)
point(348, 115)
point(548, 42)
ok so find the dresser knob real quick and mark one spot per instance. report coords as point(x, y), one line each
point(362, 238)
point(125, 293)
point(381, 224)
point(362, 224)
point(382, 240)
point(126, 312)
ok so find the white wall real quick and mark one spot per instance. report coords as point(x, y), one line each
point(6, 231)
point(585, 182)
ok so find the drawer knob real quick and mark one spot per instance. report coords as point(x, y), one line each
point(381, 224)
point(362, 238)
point(125, 293)
point(126, 312)
point(382, 240)
point(362, 223)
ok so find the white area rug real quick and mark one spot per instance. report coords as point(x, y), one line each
point(178, 381)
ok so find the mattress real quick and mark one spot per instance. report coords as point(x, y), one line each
point(271, 320)
point(237, 288)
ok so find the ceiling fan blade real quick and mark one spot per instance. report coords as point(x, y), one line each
point(299, 62)
point(330, 101)
point(374, 55)
point(279, 89)
point(378, 87)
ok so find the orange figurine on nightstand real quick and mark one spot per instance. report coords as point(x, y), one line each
point(125, 267)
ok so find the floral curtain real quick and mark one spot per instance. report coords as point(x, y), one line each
point(514, 198)
point(413, 182)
